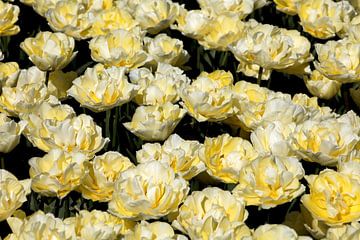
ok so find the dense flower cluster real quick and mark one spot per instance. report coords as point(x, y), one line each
point(139, 87)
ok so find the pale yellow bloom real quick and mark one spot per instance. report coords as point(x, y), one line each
point(59, 82)
point(42, 6)
point(40, 226)
point(249, 101)
point(10, 133)
point(313, 110)
point(156, 15)
point(30, 90)
point(162, 87)
point(223, 30)
point(273, 139)
point(276, 231)
point(269, 181)
point(334, 197)
point(101, 88)
point(194, 23)
point(149, 191)
point(49, 51)
point(165, 49)
point(112, 19)
point(217, 7)
point(54, 112)
point(119, 48)
point(181, 155)
point(224, 156)
point(77, 134)
point(98, 225)
point(272, 48)
point(12, 193)
point(70, 17)
point(254, 110)
point(321, 86)
point(212, 214)
point(154, 230)
point(324, 18)
point(346, 231)
point(339, 60)
point(103, 171)
point(57, 173)
point(9, 15)
point(155, 123)
point(287, 6)
point(209, 97)
point(9, 73)
point(324, 142)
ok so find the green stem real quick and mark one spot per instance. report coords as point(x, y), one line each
point(260, 75)
point(2, 161)
point(345, 94)
point(107, 124)
point(115, 127)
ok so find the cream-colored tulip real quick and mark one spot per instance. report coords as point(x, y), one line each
point(9, 15)
point(345, 231)
point(77, 134)
point(209, 97)
point(269, 181)
point(224, 156)
point(321, 86)
point(194, 23)
point(10, 133)
point(181, 155)
point(276, 231)
point(287, 6)
point(71, 18)
point(54, 112)
point(57, 173)
point(30, 90)
point(272, 48)
point(155, 123)
point(154, 230)
point(112, 19)
point(12, 193)
point(323, 142)
point(223, 30)
point(273, 139)
point(40, 226)
point(100, 88)
point(313, 110)
point(165, 49)
point(334, 197)
point(212, 214)
point(98, 225)
point(264, 110)
point(59, 82)
point(162, 87)
point(49, 51)
point(339, 60)
point(119, 48)
point(218, 7)
point(103, 171)
point(352, 119)
point(9, 73)
point(42, 6)
point(324, 18)
point(249, 102)
point(149, 191)
point(156, 15)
